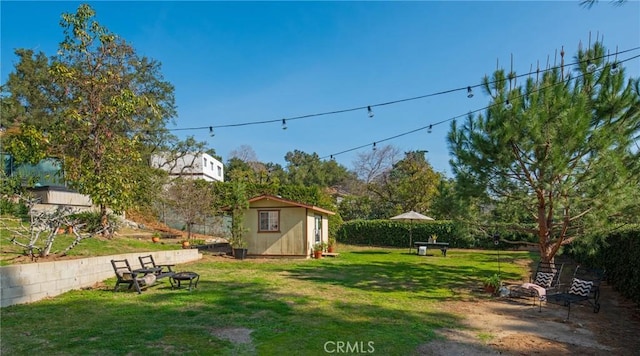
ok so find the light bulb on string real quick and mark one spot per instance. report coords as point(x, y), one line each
point(429, 129)
point(211, 133)
point(374, 146)
point(469, 93)
point(284, 124)
point(614, 68)
point(507, 105)
point(369, 111)
point(591, 67)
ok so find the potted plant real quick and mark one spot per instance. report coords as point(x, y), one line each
point(185, 243)
point(155, 238)
point(492, 283)
point(318, 248)
point(239, 247)
point(332, 244)
point(238, 206)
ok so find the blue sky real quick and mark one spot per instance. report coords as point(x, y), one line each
point(236, 62)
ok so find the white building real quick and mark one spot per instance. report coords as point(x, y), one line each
point(197, 166)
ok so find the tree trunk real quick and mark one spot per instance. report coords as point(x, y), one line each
point(547, 252)
point(104, 220)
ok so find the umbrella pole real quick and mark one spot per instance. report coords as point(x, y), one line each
point(410, 237)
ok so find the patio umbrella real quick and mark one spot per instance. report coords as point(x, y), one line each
point(411, 217)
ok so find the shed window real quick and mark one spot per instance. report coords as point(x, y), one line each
point(269, 220)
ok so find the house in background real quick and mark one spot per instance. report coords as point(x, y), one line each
point(281, 227)
point(191, 165)
point(49, 185)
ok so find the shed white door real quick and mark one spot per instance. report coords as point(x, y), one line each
point(318, 229)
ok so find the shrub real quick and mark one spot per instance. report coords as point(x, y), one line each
point(619, 254)
point(92, 220)
point(396, 233)
point(17, 209)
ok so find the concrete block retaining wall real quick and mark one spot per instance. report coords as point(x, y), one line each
point(27, 283)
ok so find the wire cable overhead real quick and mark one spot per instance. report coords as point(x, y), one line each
point(369, 108)
point(507, 105)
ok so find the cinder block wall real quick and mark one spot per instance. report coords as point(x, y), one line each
point(27, 283)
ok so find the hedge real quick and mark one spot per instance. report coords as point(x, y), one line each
point(620, 256)
point(391, 233)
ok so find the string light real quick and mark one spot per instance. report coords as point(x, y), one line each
point(429, 129)
point(284, 124)
point(211, 133)
point(370, 111)
point(452, 118)
point(341, 111)
point(469, 93)
point(507, 105)
point(614, 68)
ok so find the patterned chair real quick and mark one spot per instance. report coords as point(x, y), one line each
point(585, 288)
point(544, 281)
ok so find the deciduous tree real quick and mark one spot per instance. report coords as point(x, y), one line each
point(98, 102)
point(192, 199)
point(411, 184)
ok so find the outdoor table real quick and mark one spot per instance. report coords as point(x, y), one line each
point(151, 270)
point(184, 276)
point(441, 245)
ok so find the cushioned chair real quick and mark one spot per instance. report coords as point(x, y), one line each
point(545, 281)
point(132, 278)
point(584, 288)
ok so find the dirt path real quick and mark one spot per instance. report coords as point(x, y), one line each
point(515, 327)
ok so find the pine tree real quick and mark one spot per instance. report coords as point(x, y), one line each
point(562, 147)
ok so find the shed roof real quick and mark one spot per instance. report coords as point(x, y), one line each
point(290, 202)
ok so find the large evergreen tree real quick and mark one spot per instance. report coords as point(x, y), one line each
point(562, 146)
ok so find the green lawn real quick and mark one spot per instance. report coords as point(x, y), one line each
point(384, 300)
point(95, 246)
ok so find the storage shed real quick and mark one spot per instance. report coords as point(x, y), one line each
point(281, 227)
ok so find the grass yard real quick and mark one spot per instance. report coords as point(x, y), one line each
point(373, 300)
point(95, 246)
